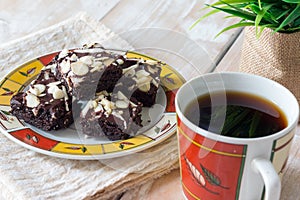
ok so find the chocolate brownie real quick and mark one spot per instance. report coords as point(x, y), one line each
point(88, 70)
point(46, 104)
point(115, 87)
point(140, 80)
point(115, 119)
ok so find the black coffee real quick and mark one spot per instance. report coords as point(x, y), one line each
point(236, 114)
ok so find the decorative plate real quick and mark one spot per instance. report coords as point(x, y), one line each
point(70, 143)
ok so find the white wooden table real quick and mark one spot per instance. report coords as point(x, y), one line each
point(124, 17)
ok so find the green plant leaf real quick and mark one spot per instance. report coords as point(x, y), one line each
point(281, 14)
point(237, 13)
point(261, 13)
point(237, 25)
point(291, 1)
point(236, 7)
point(231, 2)
point(259, 5)
point(297, 22)
point(261, 29)
point(292, 16)
point(264, 13)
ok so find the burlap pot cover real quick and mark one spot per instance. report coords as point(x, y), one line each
point(274, 55)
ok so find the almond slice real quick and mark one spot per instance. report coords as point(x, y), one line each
point(34, 91)
point(87, 60)
point(40, 87)
point(152, 69)
point(108, 61)
point(120, 61)
point(151, 62)
point(122, 104)
point(121, 96)
point(141, 73)
point(58, 93)
point(63, 53)
point(52, 88)
point(145, 87)
point(31, 100)
point(65, 66)
point(142, 80)
point(79, 68)
point(130, 68)
point(73, 57)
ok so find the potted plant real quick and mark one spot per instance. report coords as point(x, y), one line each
point(271, 46)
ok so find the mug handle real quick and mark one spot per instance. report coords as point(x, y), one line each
point(270, 177)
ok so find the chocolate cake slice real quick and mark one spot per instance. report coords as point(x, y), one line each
point(45, 105)
point(116, 119)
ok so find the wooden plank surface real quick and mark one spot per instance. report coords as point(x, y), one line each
point(162, 29)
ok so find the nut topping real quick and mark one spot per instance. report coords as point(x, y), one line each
point(98, 108)
point(53, 83)
point(87, 60)
point(94, 104)
point(52, 88)
point(120, 61)
point(63, 53)
point(151, 62)
point(97, 66)
point(101, 58)
point(129, 73)
point(31, 100)
point(40, 87)
point(142, 80)
point(34, 91)
point(46, 76)
point(108, 105)
point(152, 69)
point(144, 87)
point(51, 67)
point(108, 61)
point(58, 93)
point(79, 68)
point(65, 66)
point(122, 104)
point(141, 73)
point(37, 89)
point(155, 82)
point(121, 96)
point(130, 68)
point(73, 57)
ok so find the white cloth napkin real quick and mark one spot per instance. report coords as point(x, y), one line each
point(25, 174)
